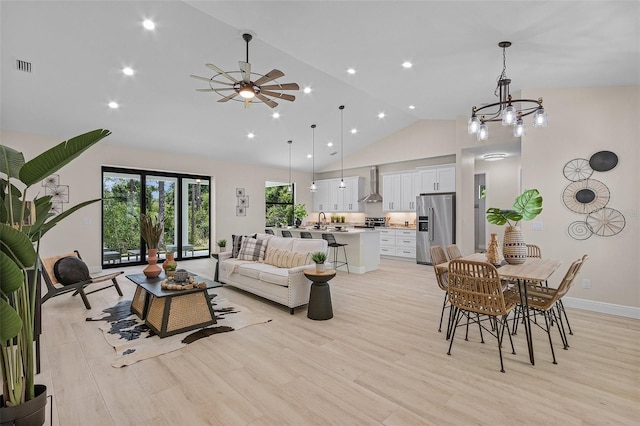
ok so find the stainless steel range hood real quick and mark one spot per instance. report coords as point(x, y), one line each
point(374, 196)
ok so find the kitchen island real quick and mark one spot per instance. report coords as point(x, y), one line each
point(363, 246)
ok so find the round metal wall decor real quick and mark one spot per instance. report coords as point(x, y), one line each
point(577, 169)
point(579, 230)
point(603, 161)
point(586, 196)
point(606, 222)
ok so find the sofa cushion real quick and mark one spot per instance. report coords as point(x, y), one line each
point(287, 259)
point(252, 249)
point(71, 270)
point(236, 243)
point(278, 276)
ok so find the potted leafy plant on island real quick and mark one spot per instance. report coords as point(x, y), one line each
point(151, 234)
point(299, 213)
point(23, 222)
point(319, 258)
point(527, 206)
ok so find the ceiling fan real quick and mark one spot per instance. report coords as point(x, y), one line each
point(247, 89)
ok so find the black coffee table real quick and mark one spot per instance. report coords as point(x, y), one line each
point(169, 312)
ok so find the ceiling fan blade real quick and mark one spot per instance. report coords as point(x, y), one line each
point(231, 96)
point(215, 90)
point(279, 95)
point(284, 86)
point(211, 80)
point(271, 75)
point(245, 68)
point(219, 71)
point(266, 100)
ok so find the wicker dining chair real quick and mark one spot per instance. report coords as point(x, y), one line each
point(534, 251)
point(442, 277)
point(453, 252)
point(543, 299)
point(475, 288)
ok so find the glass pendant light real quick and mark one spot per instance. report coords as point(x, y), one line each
point(473, 125)
point(509, 115)
point(518, 129)
point(483, 132)
point(540, 118)
point(290, 188)
point(342, 185)
point(313, 187)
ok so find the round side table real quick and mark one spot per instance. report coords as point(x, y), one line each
point(319, 307)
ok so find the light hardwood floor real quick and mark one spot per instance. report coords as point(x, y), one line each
point(380, 360)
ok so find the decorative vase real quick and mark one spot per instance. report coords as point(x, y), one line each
point(152, 270)
point(514, 247)
point(170, 259)
point(494, 253)
point(320, 267)
point(31, 413)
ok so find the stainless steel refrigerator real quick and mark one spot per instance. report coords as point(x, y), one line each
point(436, 223)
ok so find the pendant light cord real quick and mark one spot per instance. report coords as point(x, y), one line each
point(313, 153)
point(341, 107)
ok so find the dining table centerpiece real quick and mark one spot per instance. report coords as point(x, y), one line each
point(526, 206)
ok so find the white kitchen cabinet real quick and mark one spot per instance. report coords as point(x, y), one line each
point(321, 196)
point(391, 192)
point(437, 179)
point(329, 198)
point(399, 191)
point(398, 242)
point(387, 242)
point(409, 191)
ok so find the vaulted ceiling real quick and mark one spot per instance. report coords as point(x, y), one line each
point(77, 50)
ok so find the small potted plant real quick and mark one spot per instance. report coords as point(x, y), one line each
point(171, 269)
point(319, 258)
point(222, 244)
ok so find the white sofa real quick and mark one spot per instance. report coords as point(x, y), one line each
point(287, 286)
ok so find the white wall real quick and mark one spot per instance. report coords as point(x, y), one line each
point(82, 230)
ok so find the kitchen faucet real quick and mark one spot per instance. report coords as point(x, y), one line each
point(323, 215)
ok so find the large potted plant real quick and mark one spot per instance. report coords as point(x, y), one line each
point(299, 213)
point(151, 233)
point(23, 222)
point(527, 206)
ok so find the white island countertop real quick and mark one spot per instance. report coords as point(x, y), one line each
point(363, 246)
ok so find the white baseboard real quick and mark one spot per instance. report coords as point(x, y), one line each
point(602, 307)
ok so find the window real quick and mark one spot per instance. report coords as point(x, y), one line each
point(279, 203)
point(181, 201)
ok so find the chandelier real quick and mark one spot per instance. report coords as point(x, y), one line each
point(505, 109)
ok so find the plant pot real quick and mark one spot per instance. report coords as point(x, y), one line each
point(320, 267)
point(223, 249)
point(152, 270)
point(31, 413)
point(514, 247)
point(170, 259)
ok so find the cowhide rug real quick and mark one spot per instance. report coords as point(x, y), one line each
point(133, 341)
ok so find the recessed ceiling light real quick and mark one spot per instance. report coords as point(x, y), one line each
point(330, 144)
point(127, 71)
point(113, 105)
point(412, 107)
point(276, 115)
point(251, 135)
point(148, 24)
point(354, 131)
point(407, 64)
point(309, 155)
point(494, 157)
point(351, 71)
point(307, 90)
point(381, 115)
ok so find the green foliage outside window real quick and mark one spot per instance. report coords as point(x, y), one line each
point(279, 205)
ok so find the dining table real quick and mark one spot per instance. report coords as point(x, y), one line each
point(533, 270)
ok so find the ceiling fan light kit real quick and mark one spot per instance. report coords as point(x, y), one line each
point(506, 111)
point(250, 91)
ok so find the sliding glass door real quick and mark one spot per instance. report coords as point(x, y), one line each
point(181, 201)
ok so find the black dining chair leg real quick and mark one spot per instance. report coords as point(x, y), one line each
point(563, 312)
point(454, 325)
point(546, 323)
point(444, 306)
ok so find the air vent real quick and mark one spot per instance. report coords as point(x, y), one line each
point(23, 66)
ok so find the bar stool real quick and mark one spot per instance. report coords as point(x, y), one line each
point(269, 231)
point(305, 234)
point(286, 234)
point(331, 242)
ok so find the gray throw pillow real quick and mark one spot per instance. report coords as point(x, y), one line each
point(71, 270)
